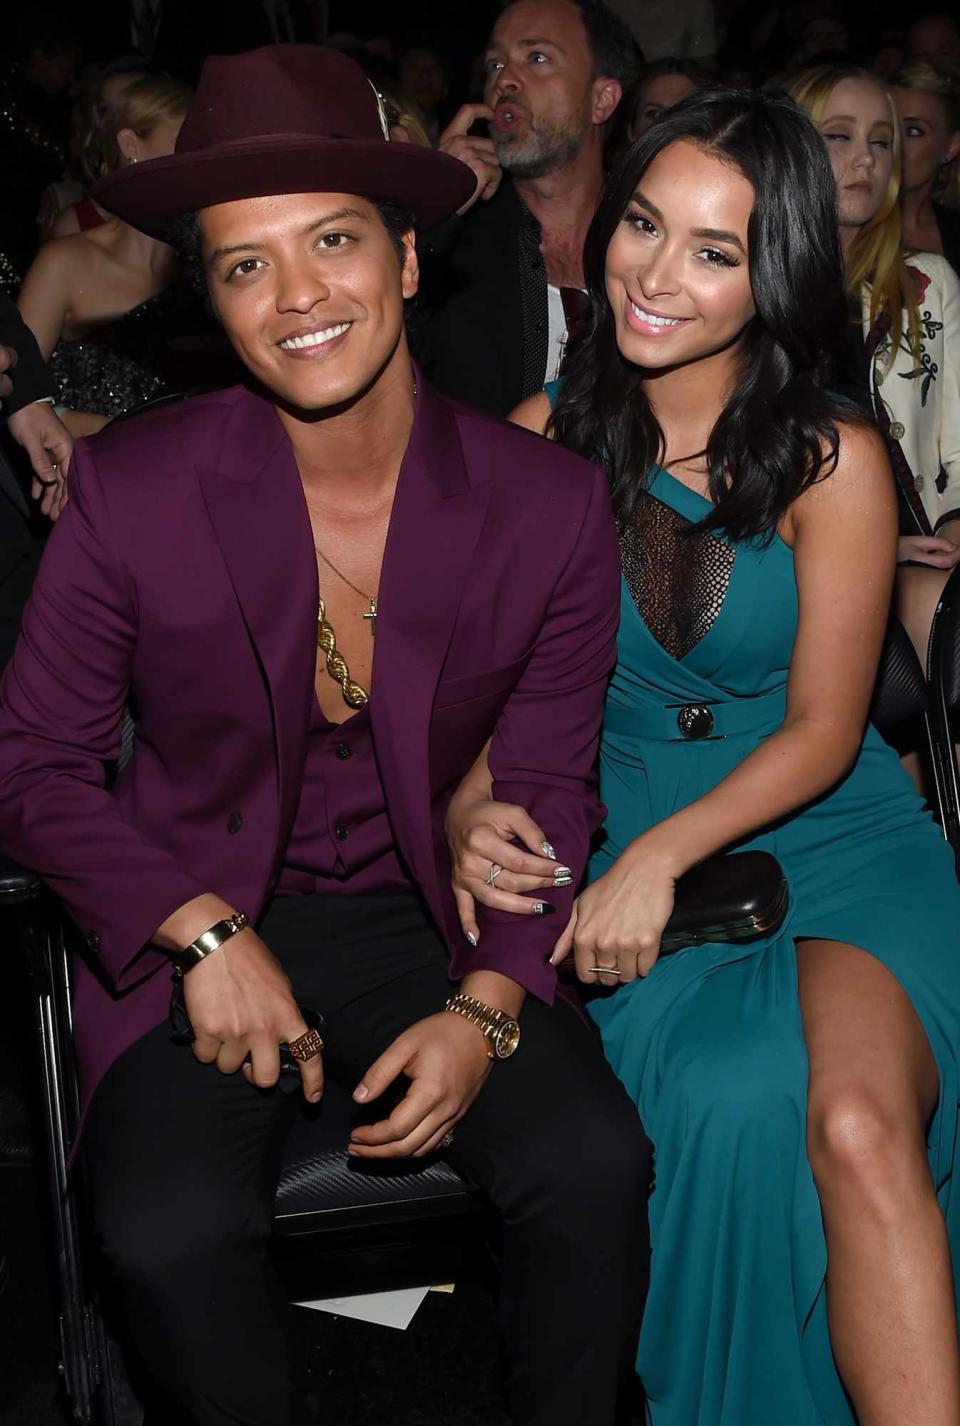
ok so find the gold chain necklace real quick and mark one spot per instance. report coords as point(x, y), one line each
point(354, 694)
point(370, 598)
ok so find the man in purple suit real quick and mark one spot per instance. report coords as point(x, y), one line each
point(232, 565)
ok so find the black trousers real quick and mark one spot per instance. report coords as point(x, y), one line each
point(183, 1161)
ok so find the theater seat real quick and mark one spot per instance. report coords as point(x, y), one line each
point(943, 679)
point(342, 1227)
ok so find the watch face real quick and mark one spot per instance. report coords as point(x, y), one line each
point(507, 1040)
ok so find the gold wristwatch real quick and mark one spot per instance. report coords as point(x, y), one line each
point(501, 1030)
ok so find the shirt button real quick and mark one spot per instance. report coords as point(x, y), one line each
point(918, 482)
point(344, 752)
point(340, 831)
point(897, 430)
point(234, 822)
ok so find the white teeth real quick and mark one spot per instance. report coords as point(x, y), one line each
point(314, 339)
point(655, 321)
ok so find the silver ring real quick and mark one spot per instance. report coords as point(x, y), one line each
point(605, 970)
point(447, 1139)
point(493, 873)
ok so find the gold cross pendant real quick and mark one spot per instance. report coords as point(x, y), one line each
point(372, 616)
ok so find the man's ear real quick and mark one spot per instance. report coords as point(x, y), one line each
point(607, 94)
point(410, 272)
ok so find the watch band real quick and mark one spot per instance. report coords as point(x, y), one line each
point(485, 1017)
point(210, 941)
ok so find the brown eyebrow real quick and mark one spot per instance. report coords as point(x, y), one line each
point(334, 217)
point(852, 119)
point(720, 235)
point(534, 40)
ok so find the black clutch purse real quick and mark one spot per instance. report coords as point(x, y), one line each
point(732, 896)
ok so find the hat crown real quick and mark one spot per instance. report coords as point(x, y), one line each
point(277, 90)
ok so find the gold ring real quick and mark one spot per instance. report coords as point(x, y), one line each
point(493, 873)
point(447, 1139)
point(605, 970)
point(306, 1046)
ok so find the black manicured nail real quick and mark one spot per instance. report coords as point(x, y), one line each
point(543, 908)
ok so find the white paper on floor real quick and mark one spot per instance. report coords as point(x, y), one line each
point(387, 1309)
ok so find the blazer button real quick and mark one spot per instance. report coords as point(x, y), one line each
point(93, 941)
point(234, 822)
point(344, 751)
point(340, 831)
point(918, 481)
point(897, 430)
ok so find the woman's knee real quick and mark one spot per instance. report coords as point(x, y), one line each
point(862, 1147)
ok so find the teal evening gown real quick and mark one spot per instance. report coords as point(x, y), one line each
point(710, 1044)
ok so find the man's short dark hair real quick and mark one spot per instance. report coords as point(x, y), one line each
point(184, 236)
point(616, 54)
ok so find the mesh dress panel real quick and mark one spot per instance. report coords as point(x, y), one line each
point(677, 575)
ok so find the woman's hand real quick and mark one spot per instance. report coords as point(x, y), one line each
point(615, 928)
point(933, 550)
point(481, 836)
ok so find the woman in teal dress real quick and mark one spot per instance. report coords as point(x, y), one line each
point(802, 1091)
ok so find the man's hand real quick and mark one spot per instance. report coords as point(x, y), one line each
point(8, 360)
point(446, 1060)
point(49, 446)
point(240, 1004)
point(477, 153)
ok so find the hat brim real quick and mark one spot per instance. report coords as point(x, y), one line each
point(151, 195)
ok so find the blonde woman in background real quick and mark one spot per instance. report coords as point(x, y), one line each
point(66, 207)
point(97, 301)
point(905, 325)
point(928, 105)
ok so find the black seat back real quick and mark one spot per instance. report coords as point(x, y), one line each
point(900, 692)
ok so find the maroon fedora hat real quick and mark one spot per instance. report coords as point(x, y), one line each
point(285, 119)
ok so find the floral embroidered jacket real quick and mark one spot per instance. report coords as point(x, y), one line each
point(918, 401)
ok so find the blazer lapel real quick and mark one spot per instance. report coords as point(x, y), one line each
point(434, 529)
point(259, 516)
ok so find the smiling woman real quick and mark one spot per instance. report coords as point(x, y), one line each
point(800, 1092)
point(665, 292)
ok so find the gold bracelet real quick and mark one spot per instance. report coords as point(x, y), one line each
point(210, 941)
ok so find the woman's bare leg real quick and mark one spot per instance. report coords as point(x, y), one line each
point(873, 1089)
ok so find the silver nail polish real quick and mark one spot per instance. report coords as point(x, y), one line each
point(563, 881)
point(471, 937)
point(562, 871)
point(548, 851)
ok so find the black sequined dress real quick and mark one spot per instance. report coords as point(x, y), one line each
point(129, 359)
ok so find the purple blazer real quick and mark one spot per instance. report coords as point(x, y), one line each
point(183, 573)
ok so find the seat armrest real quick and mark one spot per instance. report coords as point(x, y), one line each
point(16, 883)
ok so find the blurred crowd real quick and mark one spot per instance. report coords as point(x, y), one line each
point(538, 99)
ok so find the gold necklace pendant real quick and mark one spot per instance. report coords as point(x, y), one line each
point(370, 598)
point(354, 694)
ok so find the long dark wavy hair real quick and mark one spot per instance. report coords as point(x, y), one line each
point(777, 434)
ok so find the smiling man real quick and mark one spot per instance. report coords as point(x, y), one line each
point(326, 592)
point(503, 281)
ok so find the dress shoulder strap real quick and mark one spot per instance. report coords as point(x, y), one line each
point(552, 391)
